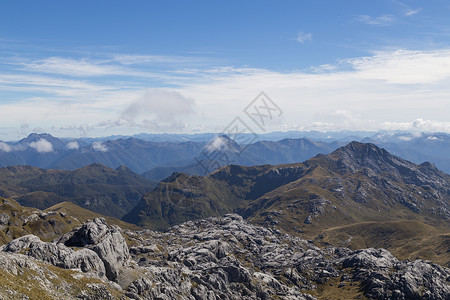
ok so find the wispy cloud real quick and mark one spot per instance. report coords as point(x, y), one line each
point(383, 20)
point(118, 66)
point(407, 10)
point(133, 59)
point(323, 68)
point(412, 12)
point(303, 37)
point(66, 66)
point(417, 83)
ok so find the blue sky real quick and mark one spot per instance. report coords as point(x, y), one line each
point(96, 68)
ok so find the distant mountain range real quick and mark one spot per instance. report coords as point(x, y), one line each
point(197, 154)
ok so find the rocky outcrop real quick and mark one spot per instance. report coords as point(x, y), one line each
point(218, 258)
point(57, 254)
point(106, 241)
point(104, 249)
point(384, 277)
point(24, 277)
point(228, 258)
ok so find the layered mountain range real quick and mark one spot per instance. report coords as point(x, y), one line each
point(158, 158)
point(335, 226)
point(355, 187)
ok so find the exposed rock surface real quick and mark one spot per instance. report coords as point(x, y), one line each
point(57, 254)
point(106, 241)
point(105, 250)
point(24, 277)
point(227, 258)
point(223, 258)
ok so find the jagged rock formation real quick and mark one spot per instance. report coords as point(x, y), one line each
point(24, 277)
point(218, 258)
point(229, 258)
point(56, 254)
point(104, 240)
point(105, 250)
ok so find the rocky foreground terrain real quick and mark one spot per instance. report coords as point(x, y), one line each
point(214, 258)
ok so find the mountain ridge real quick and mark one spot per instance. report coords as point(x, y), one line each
point(96, 187)
point(355, 183)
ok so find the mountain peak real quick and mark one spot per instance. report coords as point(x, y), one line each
point(124, 169)
point(361, 150)
point(222, 143)
point(96, 166)
point(36, 136)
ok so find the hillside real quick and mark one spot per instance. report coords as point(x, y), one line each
point(95, 187)
point(354, 184)
point(17, 221)
point(83, 215)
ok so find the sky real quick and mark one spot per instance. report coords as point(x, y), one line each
point(100, 68)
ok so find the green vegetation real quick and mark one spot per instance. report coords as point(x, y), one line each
point(19, 221)
point(83, 215)
point(95, 187)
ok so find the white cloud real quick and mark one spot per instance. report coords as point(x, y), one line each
point(158, 109)
point(303, 37)
point(5, 147)
point(394, 85)
point(405, 138)
point(324, 68)
point(81, 129)
point(218, 144)
point(98, 146)
point(412, 12)
point(42, 146)
point(82, 67)
point(73, 145)
point(127, 59)
point(405, 66)
point(419, 125)
point(383, 20)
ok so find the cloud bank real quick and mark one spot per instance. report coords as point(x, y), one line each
point(5, 147)
point(159, 109)
point(73, 145)
point(389, 88)
point(42, 146)
point(98, 146)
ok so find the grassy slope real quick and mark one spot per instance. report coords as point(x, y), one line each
point(83, 214)
point(46, 227)
point(408, 239)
